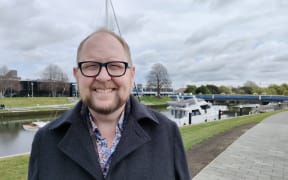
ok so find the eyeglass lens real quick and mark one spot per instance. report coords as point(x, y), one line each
point(94, 68)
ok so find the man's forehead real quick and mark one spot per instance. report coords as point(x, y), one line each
point(102, 39)
point(103, 45)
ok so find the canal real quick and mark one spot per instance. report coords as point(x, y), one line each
point(14, 139)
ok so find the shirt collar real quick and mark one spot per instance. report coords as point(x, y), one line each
point(119, 124)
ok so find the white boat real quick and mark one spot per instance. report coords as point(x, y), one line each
point(192, 111)
point(34, 126)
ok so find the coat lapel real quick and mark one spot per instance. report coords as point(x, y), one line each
point(132, 138)
point(133, 135)
point(78, 146)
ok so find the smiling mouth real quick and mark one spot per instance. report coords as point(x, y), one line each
point(104, 91)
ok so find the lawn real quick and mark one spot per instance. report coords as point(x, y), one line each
point(197, 133)
point(154, 100)
point(16, 167)
point(35, 101)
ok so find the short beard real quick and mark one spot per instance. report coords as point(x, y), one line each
point(105, 110)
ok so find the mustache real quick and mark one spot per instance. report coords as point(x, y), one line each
point(104, 86)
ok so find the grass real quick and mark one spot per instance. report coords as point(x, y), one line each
point(35, 101)
point(16, 167)
point(154, 100)
point(42, 103)
point(197, 133)
point(13, 168)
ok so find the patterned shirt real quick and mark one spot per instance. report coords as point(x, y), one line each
point(104, 153)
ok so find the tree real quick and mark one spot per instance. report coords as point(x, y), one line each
point(213, 89)
point(3, 80)
point(225, 90)
point(246, 90)
point(9, 82)
point(158, 78)
point(203, 90)
point(285, 89)
point(274, 89)
point(252, 87)
point(56, 80)
point(237, 90)
point(191, 89)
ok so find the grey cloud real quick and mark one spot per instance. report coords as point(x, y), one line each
point(15, 12)
point(282, 58)
point(202, 35)
point(197, 41)
point(132, 24)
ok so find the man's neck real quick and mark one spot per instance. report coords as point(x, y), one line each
point(107, 120)
point(106, 123)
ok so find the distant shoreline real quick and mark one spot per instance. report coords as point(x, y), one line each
point(8, 116)
point(12, 116)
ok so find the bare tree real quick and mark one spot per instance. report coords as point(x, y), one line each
point(56, 80)
point(3, 80)
point(9, 82)
point(158, 78)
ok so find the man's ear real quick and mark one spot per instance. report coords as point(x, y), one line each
point(75, 73)
point(132, 74)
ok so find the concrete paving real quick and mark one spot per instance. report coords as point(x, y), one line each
point(261, 153)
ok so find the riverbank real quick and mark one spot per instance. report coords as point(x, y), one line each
point(11, 116)
point(26, 107)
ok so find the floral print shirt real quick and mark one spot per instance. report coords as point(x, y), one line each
point(104, 152)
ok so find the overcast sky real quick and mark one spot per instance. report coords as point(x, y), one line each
point(221, 42)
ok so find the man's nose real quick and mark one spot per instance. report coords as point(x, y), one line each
point(103, 74)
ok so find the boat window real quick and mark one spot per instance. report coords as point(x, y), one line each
point(178, 114)
point(196, 112)
point(205, 107)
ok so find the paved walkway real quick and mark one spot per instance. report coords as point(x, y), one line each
point(259, 154)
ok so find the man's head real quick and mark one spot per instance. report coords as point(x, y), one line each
point(105, 74)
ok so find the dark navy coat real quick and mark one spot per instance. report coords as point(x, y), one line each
point(150, 148)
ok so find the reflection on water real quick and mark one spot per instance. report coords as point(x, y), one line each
point(14, 139)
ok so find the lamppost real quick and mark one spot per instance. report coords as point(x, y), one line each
point(32, 89)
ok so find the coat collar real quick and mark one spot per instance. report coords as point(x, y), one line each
point(77, 143)
point(139, 111)
point(134, 135)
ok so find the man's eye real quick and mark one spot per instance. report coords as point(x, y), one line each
point(115, 66)
point(90, 67)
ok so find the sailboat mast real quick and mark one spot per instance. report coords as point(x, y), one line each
point(107, 13)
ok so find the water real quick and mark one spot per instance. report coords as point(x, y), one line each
point(14, 139)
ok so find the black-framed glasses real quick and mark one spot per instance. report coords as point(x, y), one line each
point(93, 68)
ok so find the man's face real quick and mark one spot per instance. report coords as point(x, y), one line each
point(104, 94)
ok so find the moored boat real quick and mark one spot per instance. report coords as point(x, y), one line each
point(34, 126)
point(192, 111)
